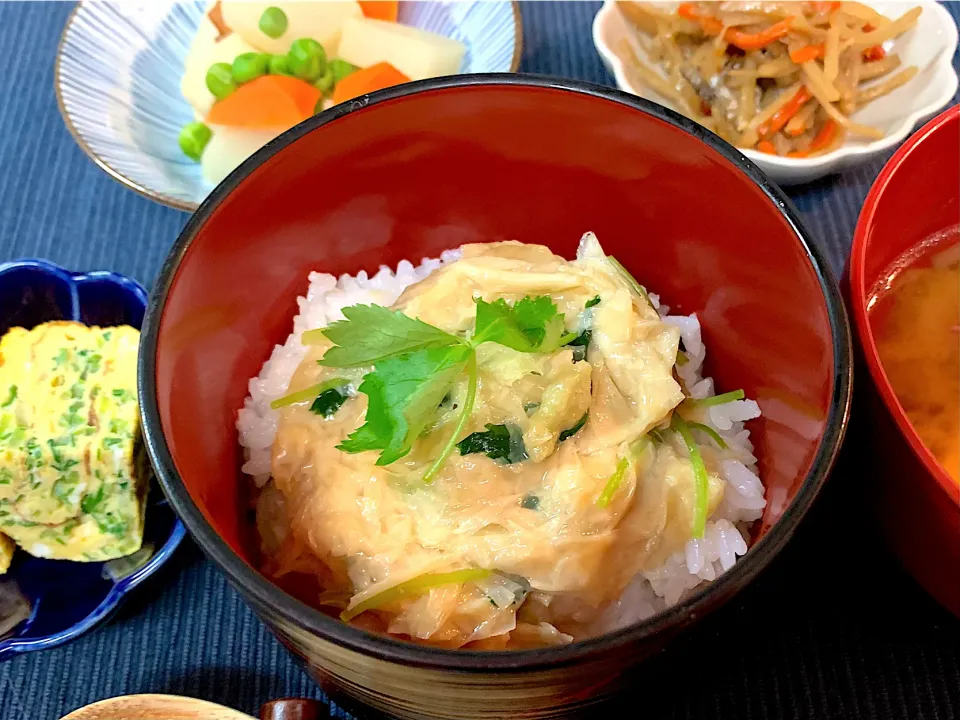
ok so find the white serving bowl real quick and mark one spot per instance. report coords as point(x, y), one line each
point(119, 64)
point(930, 46)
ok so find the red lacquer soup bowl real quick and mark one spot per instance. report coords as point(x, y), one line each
point(413, 171)
point(916, 196)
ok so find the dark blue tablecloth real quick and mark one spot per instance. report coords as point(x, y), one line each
point(833, 629)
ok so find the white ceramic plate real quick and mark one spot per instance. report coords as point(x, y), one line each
point(118, 69)
point(930, 46)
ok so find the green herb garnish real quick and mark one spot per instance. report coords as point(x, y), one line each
point(372, 333)
point(328, 402)
point(613, 484)
point(415, 586)
point(494, 443)
point(631, 280)
point(499, 442)
point(581, 340)
point(529, 325)
point(416, 365)
point(595, 300)
point(530, 502)
point(702, 482)
point(90, 502)
point(11, 397)
point(723, 399)
point(571, 431)
point(714, 435)
point(308, 393)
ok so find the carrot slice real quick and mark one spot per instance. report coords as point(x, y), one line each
point(755, 41)
point(806, 54)
point(743, 40)
point(875, 52)
point(710, 24)
point(270, 101)
point(782, 116)
point(380, 9)
point(765, 146)
point(366, 80)
point(822, 140)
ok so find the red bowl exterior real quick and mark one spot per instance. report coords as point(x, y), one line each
point(430, 166)
point(916, 195)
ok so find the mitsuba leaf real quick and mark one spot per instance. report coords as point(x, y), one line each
point(529, 325)
point(372, 333)
point(403, 395)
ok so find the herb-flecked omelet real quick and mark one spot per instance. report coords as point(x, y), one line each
point(70, 456)
point(7, 546)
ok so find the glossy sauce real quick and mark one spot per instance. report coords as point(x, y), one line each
point(915, 312)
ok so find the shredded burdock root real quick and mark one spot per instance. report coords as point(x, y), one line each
point(781, 78)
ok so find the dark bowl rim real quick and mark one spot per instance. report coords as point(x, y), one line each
point(267, 597)
point(856, 277)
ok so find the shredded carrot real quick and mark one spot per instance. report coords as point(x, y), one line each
point(380, 9)
point(783, 115)
point(270, 101)
point(755, 41)
point(743, 40)
point(765, 146)
point(807, 53)
point(376, 77)
point(822, 140)
point(710, 24)
point(874, 53)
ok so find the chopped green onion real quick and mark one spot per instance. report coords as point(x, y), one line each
point(313, 337)
point(723, 399)
point(714, 435)
point(273, 22)
point(631, 280)
point(308, 393)
point(682, 359)
point(656, 436)
point(595, 300)
point(530, 502)
point(613, 484)
point(571, 431)
point(415, 586)
point(461, 423)
point(699, 475)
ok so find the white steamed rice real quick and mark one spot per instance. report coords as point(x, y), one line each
point(701, 561)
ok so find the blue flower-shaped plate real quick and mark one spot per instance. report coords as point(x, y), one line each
point(49, 602)
point(118, 70)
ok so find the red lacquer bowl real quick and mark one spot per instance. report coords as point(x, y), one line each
point(916, 195)
point(413, 171)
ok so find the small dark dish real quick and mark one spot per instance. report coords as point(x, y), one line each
point(425, 167)
point(68, 598)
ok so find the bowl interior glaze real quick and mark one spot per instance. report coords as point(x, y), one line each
point(438, 164)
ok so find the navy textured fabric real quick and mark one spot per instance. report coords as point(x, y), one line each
point(833, 629)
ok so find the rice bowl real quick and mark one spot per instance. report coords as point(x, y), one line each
point(727, 530)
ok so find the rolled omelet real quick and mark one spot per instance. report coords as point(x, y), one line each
point(7, 546)
point(72, 468)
